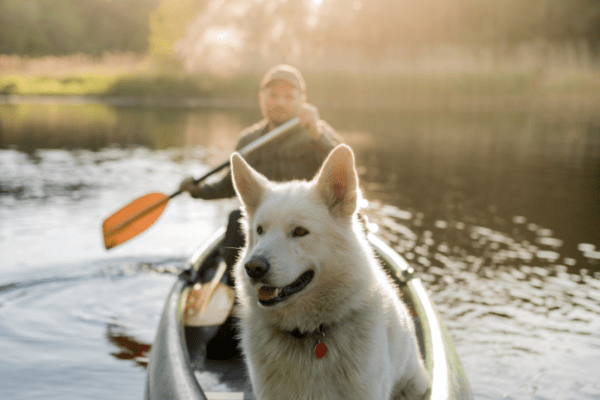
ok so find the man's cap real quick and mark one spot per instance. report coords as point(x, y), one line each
point(287, 73)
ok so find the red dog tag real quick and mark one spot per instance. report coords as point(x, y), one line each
point(320, 350)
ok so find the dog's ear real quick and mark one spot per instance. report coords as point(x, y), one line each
point(248, 183)
point(337, 182)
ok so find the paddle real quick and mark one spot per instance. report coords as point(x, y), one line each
point(138, 215)
point(209, 304)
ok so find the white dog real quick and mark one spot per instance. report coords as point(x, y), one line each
point(319, 318)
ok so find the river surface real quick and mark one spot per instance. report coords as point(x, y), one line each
point(498, 212)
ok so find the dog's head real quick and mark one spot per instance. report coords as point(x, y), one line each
point(299, 235)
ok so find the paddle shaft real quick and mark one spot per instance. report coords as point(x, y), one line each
point(244, 150)
point(249, 148)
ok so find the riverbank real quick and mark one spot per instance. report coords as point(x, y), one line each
point(565, 104)
point(129, 79)
point(452, 92)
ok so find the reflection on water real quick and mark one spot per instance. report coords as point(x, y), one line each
point(498, 212)
point(29, 127)
point(54, 338)
point(129, 347)
point(521, 175)
point(520, 320)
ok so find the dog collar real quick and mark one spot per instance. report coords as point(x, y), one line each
point(320, 348)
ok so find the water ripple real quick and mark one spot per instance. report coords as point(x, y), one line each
point(508, 301)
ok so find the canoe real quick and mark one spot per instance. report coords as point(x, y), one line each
point(175, 370)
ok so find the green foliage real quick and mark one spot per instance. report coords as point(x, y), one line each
point(167, 25)
point(43, 27)
point(133, 85)
point(80, 85)
point(283, 27)
point(324, 88)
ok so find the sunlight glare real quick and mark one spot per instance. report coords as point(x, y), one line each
point(217, 52)
point(222, 36)
point(313, 18)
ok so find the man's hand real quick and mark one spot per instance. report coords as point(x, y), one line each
point(188, 185)
point(309, 118)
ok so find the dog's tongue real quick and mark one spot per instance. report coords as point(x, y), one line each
point(267, 293)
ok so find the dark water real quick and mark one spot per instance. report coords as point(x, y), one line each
point(499, 213)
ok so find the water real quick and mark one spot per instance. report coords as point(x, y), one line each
point(498, 212)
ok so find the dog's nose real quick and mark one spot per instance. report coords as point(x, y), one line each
point(257, 267)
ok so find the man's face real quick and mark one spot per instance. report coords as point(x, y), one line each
point(280, 101)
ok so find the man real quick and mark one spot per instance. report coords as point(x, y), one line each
point(297, 154)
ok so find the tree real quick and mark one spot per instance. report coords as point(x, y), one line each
point(287, 30)
point(227, 31)
point(42, 27)
point(168, 23)
point(38, 27)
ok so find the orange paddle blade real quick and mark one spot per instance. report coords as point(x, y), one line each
point(133, 219)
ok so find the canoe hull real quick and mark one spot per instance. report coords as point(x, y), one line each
point(171, 372)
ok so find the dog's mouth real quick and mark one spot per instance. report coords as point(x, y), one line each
point(269, 296)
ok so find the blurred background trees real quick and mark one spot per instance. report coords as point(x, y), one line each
point(41, 27)
point(371, 34)
point(168, 24)
point(229, 36)
point(464, 21)
point(60, 27)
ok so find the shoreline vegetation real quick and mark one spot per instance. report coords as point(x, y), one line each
point(132, 80)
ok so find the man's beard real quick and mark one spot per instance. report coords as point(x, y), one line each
point(278, 116)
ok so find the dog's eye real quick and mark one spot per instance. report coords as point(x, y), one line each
point(299, 231)
point(259, 230)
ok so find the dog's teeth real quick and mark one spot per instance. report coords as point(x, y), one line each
point(267, 293)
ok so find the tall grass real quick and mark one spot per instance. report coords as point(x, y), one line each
point(531, 69)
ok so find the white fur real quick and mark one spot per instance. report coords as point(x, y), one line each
point(372, 352)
